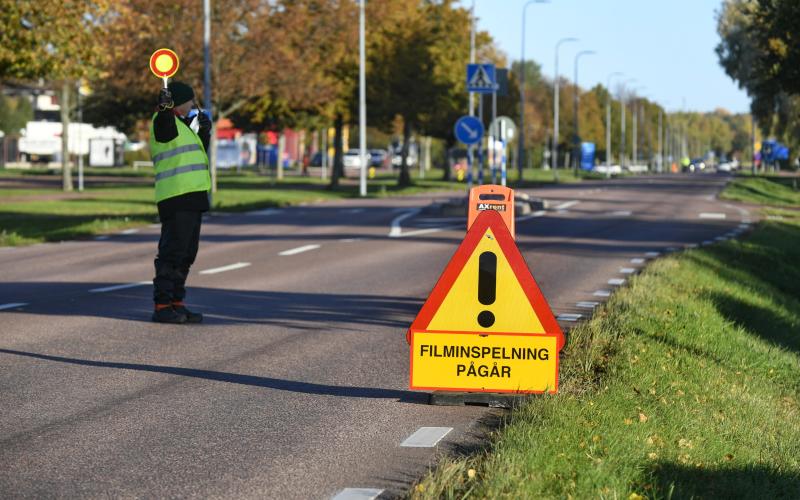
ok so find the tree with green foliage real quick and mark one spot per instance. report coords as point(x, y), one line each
point(15, 113)
point(60, 41)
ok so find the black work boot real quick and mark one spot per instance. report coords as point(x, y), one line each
point(168, 315)
point(191, 317)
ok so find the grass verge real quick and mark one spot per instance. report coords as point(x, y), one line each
point(30, 215)
point(766, 190)
point(684, 385)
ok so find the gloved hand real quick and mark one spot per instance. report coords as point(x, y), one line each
point(165, 99)
point(203, 120)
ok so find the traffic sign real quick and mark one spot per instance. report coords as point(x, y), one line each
point(503, 128)
point(164, 64)
point(481, 78)
point(469, 130)
point(486, 326)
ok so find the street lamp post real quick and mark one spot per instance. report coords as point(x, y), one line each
point(577, 138)
point(362, 102)
point(555, 109)
point(521, 145)
point(622, 125)
point(608, 122)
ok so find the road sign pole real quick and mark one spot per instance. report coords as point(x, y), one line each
point(480, 144)
point(469, 167)
point(494, 152)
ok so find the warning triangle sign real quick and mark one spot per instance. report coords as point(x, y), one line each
point(487, 288)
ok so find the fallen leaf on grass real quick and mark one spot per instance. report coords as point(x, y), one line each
point(642, 418)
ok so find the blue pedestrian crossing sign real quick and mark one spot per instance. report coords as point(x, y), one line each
point(481, 78)
point(469, 130)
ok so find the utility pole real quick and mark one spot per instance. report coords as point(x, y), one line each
point(521, 144)
point(362, 102)
point(555, 109)
point(608, 122)
point(212, 163)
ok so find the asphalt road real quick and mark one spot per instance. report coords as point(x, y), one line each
point(296, 384)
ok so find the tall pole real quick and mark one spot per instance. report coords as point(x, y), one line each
point(634, 138)
point(576, 97)
point(521, 145)
point(362, 102)
point(472, 53)
point(207, 89)
point(608, 122)
point(555, 108)
point(660, 163)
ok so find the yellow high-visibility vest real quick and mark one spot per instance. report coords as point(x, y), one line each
point(181, 165)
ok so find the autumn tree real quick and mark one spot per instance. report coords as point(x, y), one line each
point(59, 41)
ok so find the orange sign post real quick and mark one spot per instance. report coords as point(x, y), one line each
point(164, 64)
point(486, 327)
point(492, 197)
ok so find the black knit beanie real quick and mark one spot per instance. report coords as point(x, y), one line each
point(181, 92)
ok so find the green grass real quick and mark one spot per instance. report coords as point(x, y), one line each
point(30, 215)
point(684, 385)
point(766, 190)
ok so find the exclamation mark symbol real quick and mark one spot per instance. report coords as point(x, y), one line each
point(487, 286)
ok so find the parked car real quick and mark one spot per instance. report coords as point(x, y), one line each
point(377, 157)
point(352, 159)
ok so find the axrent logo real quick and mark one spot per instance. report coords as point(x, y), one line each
point(491, 206)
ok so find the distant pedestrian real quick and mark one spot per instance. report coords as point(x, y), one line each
point(178, 146)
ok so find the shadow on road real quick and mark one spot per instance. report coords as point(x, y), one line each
point(235, 378)
point(294, 310)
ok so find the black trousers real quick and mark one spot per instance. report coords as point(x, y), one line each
point(177, 249)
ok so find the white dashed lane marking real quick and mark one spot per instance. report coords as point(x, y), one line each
point(712, 215)
point(130, 231)
point(358, 494)
point(627, 270)
point(587, 304)
point(426, 437)
point(637, 261)
point(569, 317)
point(566, 205)
point(616, 281)
point(119, 287)
point(222, 269)
point(12, 305)
point(652, 254)
point(602, 293)
point(295, 251)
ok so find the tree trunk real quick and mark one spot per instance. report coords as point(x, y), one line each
point(338, 162)
point(405, 177)
point(448, 163)
point(66, 172)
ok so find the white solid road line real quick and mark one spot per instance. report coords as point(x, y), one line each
point(616, 281)
point(566, 205)
point(637, 261)
point(569, 317)
point(350, 240)
point(119, 287)
point(602, 293)
point(295, 251)
point(712, 215)
point(358, 494)
point(426, 437)
point(222, 269)
point(12, 305)
point(622, 213)
point(130, 231)
point(396, 230)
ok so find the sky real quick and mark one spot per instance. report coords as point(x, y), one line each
point(667, 46)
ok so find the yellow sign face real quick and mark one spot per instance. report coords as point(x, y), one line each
point(508, 309)
point(486, 363)
point(164, 63)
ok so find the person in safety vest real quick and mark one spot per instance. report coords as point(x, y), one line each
point(178, 146)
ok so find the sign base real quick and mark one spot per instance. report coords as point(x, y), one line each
point(492, 400)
